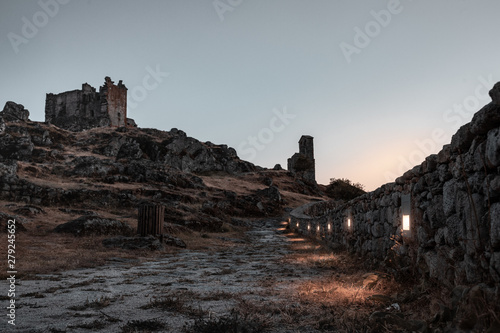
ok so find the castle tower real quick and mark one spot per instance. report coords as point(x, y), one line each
point(114, 102)
point(303, 163)
point(306, 146)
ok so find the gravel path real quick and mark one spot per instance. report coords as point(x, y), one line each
point(171, 292)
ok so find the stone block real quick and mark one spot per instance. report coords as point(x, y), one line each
point(495, 225)
point(444, 154)
point(492, 150)
point(495, 266)
point(454, 230)
point(436, 264)
point(462, 140)
point(485, 119)
point(377, 230)
point(449, 197)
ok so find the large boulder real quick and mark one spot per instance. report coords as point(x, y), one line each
point(485, 119)
point(495, 93)
point(131, 122)
point(14, 112)
point(493, 148)
point(95, 226)
point(272, 193)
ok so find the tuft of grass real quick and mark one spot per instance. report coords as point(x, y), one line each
point(176, 302)
point(144, 326)
point(218, 295)
point(98, 303)
point(169, 303)
point(235, 322)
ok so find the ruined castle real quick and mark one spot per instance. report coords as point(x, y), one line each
point(83, 109)
point(303, 163)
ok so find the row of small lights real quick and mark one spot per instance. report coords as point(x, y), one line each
point(406, 217)
point(406, 224)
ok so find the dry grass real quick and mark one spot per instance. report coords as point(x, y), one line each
point(40, 251)
point(211, 241)
point(178, 302)
point(150, 325)
point(335, 301)
point(98, 303)
point(249, 183)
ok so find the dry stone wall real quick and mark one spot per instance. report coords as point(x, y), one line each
point(454, 211)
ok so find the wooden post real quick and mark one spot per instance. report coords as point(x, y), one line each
point(150, 220)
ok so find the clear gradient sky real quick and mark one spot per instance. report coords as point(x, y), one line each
point(378, 84)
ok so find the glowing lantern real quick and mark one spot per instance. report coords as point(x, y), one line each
point(406, 212)
point(406, 222)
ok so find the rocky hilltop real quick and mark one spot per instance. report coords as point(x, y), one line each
point(103, 170)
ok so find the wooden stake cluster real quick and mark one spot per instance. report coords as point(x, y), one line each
point(150, 220)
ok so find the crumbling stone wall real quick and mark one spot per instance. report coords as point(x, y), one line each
point(115, 102)
point(303, 163)
point(78, 110)
point(454, 235)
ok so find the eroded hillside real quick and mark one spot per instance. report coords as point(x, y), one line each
point(49, 176)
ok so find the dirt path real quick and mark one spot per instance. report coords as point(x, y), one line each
point(249, 284)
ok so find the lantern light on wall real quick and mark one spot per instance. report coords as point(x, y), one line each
point(317, 228)
point(308, 227)
point(348, 220)
point(406, 222)
point(406, 212)
point(329, 227)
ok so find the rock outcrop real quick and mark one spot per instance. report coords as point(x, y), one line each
point(14, 112)
point(94, 226)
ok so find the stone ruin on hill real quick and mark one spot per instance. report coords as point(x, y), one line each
point(83, 109)
point(302, 163)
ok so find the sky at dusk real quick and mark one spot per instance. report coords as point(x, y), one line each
point(378, 84)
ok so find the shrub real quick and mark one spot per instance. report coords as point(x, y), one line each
point(344, 189)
